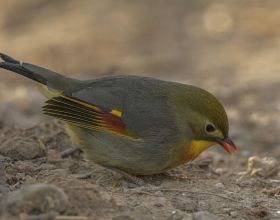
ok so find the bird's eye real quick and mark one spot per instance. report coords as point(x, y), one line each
point(210, 128)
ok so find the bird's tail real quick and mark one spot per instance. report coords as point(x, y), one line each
point(52, 80)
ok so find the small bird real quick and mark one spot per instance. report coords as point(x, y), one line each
point(137, 125)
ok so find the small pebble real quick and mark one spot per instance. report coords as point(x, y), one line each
point(242, 173)
point(219, 185)
point(22, 148)
point(233, 214)
point(37, 198)
point(227, 209)
point(220, 171)
point(263, 167)
point(203, 205)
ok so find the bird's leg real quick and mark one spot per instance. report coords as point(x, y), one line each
point(69, 151)
point(136, 180)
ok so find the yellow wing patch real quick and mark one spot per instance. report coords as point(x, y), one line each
point(116, 113)
point(82, 103)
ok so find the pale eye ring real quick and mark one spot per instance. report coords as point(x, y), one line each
point(209, 127)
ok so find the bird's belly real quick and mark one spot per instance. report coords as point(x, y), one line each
point(111, 151)
point(117, 152)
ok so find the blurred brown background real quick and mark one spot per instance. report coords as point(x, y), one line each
point(230, 48)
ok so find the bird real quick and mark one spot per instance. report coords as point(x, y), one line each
point(135, 124)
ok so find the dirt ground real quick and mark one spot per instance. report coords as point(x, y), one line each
point(230, 49)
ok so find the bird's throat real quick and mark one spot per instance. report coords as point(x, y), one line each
point(192, 150)
point(198, 146)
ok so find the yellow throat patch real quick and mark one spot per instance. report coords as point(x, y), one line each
point(198, 146)
point(193, 150)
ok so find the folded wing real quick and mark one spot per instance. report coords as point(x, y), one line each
point(85, 115)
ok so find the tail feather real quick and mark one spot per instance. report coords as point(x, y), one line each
point(44, 76)
point(8, 59)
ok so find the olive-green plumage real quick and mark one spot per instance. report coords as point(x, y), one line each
point(139, 125)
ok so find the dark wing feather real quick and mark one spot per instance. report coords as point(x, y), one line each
point(85, 115)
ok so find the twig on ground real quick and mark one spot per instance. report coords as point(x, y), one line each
point(146, 193)
point(185, 191)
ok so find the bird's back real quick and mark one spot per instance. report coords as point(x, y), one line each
point(143, 101)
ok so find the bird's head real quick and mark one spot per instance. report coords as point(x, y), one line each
point(206, 118)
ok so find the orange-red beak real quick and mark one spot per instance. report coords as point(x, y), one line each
point(228, 145)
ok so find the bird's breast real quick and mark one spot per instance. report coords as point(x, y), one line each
point(191, 150)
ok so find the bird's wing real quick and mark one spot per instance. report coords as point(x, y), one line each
point(86, 115)
point(132, 107)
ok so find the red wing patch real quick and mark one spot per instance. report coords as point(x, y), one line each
point(85, 115)
point(114, 123)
